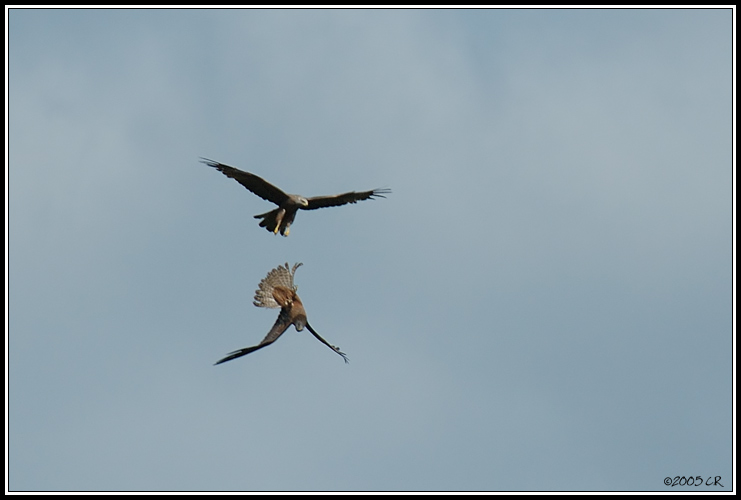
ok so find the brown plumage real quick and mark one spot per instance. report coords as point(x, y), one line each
point(277, 290)
point(281, 218)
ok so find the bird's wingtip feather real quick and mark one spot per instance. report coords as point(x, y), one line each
point(210, 163)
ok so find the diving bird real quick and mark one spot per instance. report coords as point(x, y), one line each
point(277, 290)
point(281, 218)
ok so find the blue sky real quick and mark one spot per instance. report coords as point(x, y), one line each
point(544, 302)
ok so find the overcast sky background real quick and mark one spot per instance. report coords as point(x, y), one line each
point(544, 302)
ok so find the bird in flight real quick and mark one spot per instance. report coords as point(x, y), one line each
point(281, 218)
point(277, 290)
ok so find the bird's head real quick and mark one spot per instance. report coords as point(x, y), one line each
point(302, 201)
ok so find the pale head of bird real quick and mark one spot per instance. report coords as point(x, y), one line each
point(299, 323)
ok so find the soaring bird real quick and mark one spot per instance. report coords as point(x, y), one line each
point(277, 290)
point(282, 217)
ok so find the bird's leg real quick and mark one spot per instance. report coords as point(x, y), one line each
point(278, 220)
point(286, 227)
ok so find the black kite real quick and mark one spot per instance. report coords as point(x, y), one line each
point(282, 217)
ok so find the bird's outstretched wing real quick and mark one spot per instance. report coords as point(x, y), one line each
point(280, 277)
point(342, 199)
point(280, 326)
point(320, 339)
point(257, 185)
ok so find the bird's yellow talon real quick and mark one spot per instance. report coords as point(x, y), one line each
point(287, 231)
point(275, 231)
